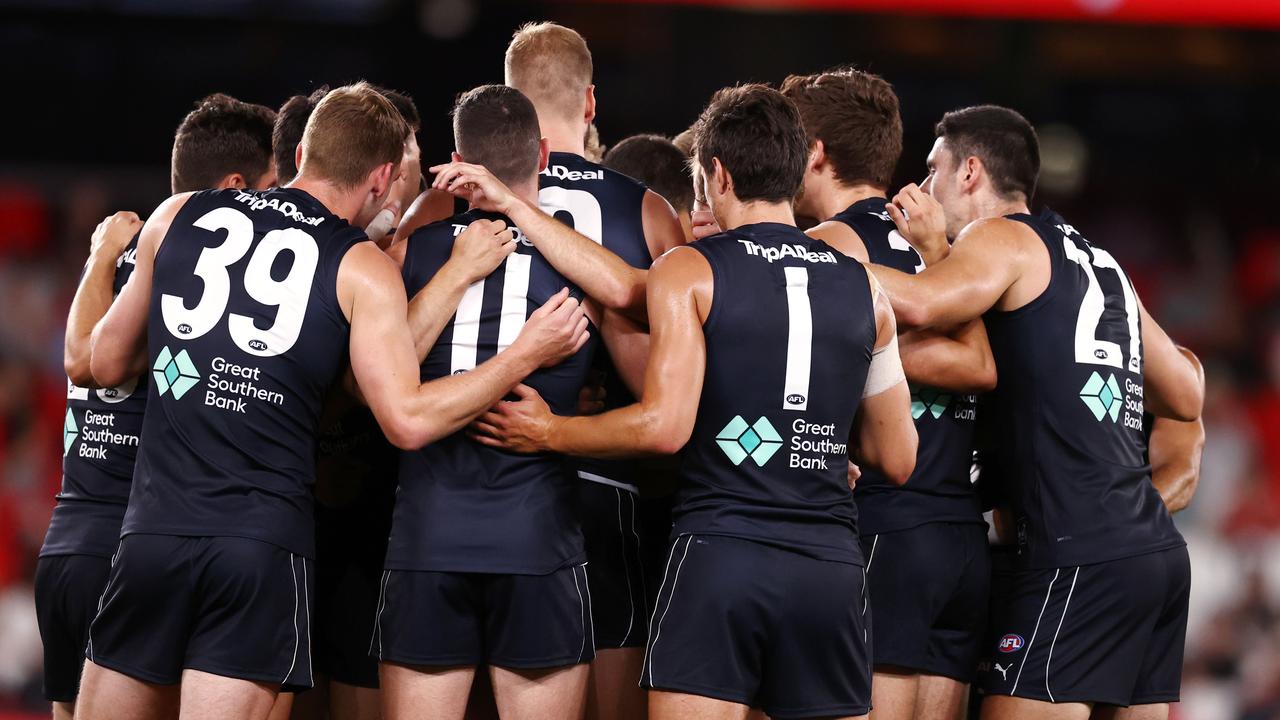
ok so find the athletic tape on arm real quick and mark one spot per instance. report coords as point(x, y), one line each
point(885, 370)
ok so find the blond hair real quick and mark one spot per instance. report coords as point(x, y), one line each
point(551, 65)
point(353, 130)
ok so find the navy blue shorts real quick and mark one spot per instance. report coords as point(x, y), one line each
point(346, 602)
point(928, 590)
point(616, 567)
point(447, 619)
point(1110, 633)
point(228, 606)
point(68, 588)
point(756, 624)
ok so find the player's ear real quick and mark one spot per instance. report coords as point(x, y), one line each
point(817, 155)
point(970, 171)
point(456, 157)
point(544, 153)
point(297, 158)
point(234, 180)
point(720, 181)
point(382, 177)
point(589, 114)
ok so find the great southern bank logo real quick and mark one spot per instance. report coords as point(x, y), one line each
point(740, 441)
point(1102, 397)
point(174, 373)
point(69, 432)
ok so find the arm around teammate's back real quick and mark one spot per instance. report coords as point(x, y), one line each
point(884, 431)
point(385, 365)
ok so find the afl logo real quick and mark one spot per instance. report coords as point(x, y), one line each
point(795, 399)
point(185, 329)
point(258, 345)
point(1100, 354)
point(1011, 643)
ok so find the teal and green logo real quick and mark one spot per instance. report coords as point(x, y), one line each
point(930, 400)
point(1102, 396)
point(70, 431)
point(740, 441)
point(174, 373)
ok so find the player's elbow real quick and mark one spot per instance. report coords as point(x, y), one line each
point(105, 371)
point(409, 433)
point(984, 376)
point(910, 313)
point(666, 436)
point(78, 368)
point(898, 461)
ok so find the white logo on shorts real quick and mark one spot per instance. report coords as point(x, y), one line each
point(1004, 671)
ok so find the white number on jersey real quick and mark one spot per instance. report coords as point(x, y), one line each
point(1089, 349)
point(515, 305)
point(897, 242)
point(581, 205)
point(289, 295)
point(795, 385)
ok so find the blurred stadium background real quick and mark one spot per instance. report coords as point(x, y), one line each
point(1157, 119)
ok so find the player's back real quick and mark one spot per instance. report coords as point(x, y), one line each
point(245, 337)
point(789, 340)
point(100, 436)
point(1069, 406)
point(939, 490)
point(460, 505)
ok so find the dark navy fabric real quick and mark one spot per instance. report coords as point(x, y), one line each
point(789, 339)
point(100, 434)
point(1069, 411)
point(756, 624)
point(607, 207)
point(1110, 632)
point(245, 338)
point(463, 507)
point(939, 490)
point(67, 591)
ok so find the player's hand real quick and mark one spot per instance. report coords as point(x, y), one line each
point(855, 472)
point(482, 247)
point(591, 396)
point(113, 234)
point(921, 221)
point(704, 224)
point(384, 222)
point(554, 331)
point(475, 184)
point(521, 425)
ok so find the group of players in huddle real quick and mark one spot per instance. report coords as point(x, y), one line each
point(324, 431)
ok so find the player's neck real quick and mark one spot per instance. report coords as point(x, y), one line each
point(565, 137)
point(343, 204)
point(992, 206)
point(527, 191)
point(837, 198)
point(737, 214)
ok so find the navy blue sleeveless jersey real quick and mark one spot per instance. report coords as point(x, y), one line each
point(100, 434)
point(463, 507)
point(607, 207)
point(1069, 411)
point(245, 338)
point(789, 340)
point(940, 489)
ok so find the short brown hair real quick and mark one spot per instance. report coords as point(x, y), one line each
point(855, 115)
point(291, 121)
point(221, 136)
point(1003, 139)
point(353, 130)
point(497, 127)
point(656, 162)
point(756, 132)
point(551, 65)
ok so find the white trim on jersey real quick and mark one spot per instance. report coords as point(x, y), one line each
point(1059, 630)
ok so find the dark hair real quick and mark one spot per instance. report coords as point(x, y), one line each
point(1004, 141)
point(405, 105)
point(757, 134)
point(287, 133)
point(658, 163)
point(352, 131)
point(497, 127)
point(855, 115)
point(221, 136)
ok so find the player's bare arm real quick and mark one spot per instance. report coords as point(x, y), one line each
point(679, 294)
point(628, 343)
point(93, 295)
point(1175, 448)
point(118, 345)
point(885, 433)
point(1174, 384)
point(386, 367)
point(967, 283)
point(958, 360)
point(601, 274)
point(477, 251)
point(662, 230)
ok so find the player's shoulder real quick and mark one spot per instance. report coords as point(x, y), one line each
point(1006, 230)
point(571, 168)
